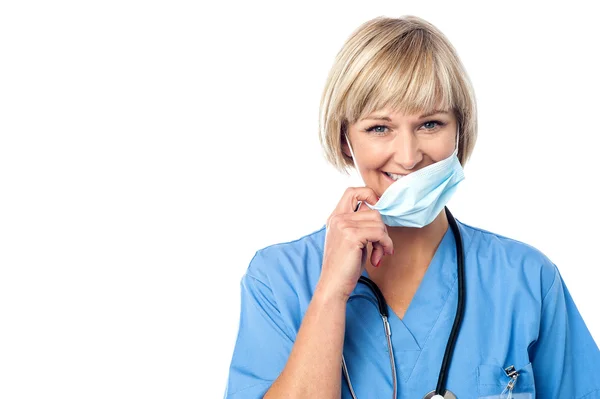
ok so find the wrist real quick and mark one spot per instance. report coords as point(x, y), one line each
point(328, 293)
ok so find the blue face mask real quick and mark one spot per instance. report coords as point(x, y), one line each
point(416, 199)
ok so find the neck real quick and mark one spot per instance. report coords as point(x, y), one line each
point(414, 240)
point(413, 247)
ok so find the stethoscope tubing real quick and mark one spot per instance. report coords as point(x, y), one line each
point(383, 311)
point(460, 308)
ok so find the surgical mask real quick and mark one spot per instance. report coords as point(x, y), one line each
point(416, 199)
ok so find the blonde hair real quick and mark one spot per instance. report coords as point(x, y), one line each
point(403, 63)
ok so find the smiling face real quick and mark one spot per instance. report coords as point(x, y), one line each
point(388, 145)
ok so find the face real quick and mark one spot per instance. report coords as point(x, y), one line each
point(388, 145)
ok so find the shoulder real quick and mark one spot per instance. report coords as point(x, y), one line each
point(293, 262)
point(507, 258)
point(283, 276)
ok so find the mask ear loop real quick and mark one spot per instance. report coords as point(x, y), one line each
point(457, 139)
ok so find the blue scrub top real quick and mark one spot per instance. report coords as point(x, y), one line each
point(518, 312)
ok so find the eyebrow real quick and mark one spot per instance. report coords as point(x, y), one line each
point(387, 118)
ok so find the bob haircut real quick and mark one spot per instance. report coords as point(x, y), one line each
point(403, 63)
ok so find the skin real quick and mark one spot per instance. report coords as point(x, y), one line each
point(398, 256)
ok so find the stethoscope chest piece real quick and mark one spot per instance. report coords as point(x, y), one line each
point(432, 395)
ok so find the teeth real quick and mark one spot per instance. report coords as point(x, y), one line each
point(393, 176)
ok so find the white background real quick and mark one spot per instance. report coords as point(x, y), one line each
point(148, 149)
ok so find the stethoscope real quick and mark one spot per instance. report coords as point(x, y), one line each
point(440, 391)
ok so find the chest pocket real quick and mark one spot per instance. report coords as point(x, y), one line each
point(492, 380)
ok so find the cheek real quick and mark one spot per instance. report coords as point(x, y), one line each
point(373, 155)
point(439, 151)
point(374, 160)
point(441, 155)
point(449, 150)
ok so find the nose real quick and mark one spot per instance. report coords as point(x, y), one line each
point(407, 153)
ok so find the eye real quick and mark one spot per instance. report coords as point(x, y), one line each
point(377, 129)
point(433, 125)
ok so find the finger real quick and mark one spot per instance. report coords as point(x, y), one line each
point(365, 213)
point(379, 251)
point(373, 234)
point(363, 208)
point(369, 219)
point(377, 254)
point(352, 196)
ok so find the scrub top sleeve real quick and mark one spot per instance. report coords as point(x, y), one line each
point(565, 358)
point(263, 343)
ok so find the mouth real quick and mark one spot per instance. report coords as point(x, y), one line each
point(393, 176)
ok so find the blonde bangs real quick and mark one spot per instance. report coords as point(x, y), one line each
point(403, 77)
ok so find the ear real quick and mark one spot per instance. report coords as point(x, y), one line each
point(345, 148)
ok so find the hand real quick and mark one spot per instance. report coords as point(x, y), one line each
point(346, 241)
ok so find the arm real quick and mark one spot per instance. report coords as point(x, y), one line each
point(267, 355)
point(314, 366)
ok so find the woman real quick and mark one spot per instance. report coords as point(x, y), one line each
point(472, 314)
